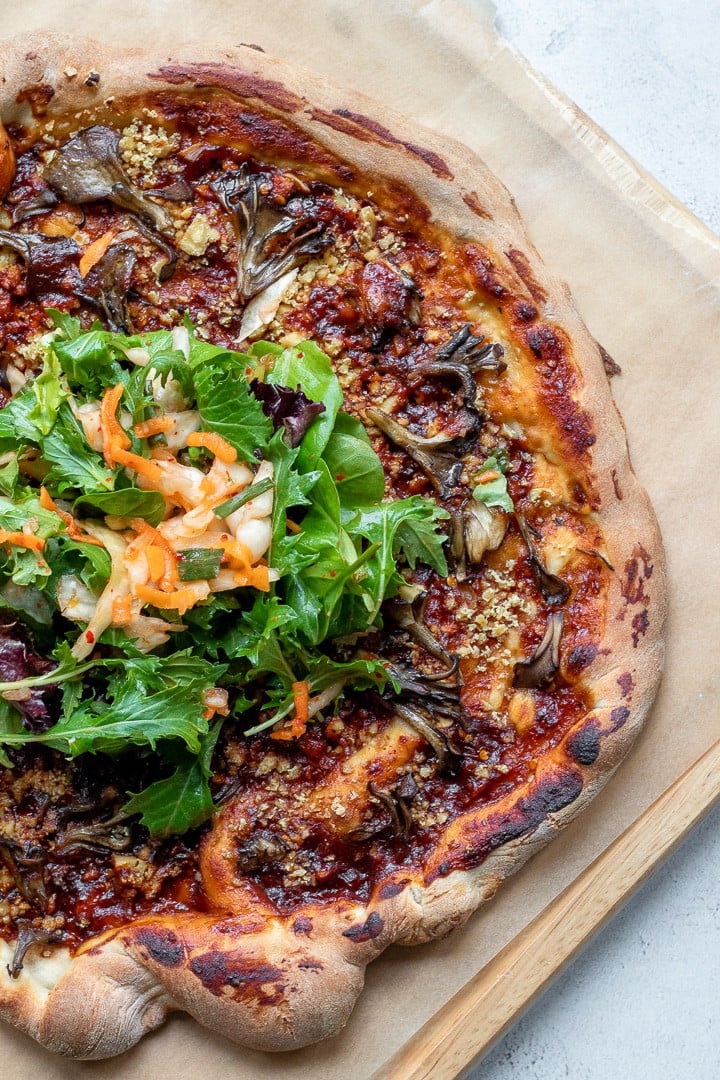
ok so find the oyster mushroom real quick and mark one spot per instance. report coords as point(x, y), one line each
point(540, 669)
point(421, 724)
point(434, 455)
point(475, 530)
point(554, 589)
point(115, 270)
point(271, 242)
point(28, 936)
point(406, 613)
point(440, 456)
point(87, 168)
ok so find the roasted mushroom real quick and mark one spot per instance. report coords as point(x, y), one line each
point(114, 272)
point(439, 693)
point(440, 455)
point(395, 801)
point(420, 723)
point(476, 529)
point(29, 935)
point(554, 590)
point(87, 168)
point(539, 671)
point(436, 456)
point(406, 612)
point(271, 242)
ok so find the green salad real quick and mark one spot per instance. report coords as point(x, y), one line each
point(195, 537)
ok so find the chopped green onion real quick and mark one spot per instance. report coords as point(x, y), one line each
point(225, 509)
point(199, 564)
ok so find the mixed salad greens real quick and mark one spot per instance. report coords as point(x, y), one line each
point(214, 632)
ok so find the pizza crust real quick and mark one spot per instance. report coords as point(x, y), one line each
point(278, 983)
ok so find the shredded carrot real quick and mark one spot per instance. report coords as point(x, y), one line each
point(156, 562)
point(292, 526)
point(156, 425)
point(95, 251)
point(301, 702)
point(488, 476)
point(257, 576)
point(21, 539)
point(179, 601)
point(162, 561)
point(114, 437)
point(238, 554)
point(74, 529)
point(215, 443)
point(122, 610)
point(138, 464)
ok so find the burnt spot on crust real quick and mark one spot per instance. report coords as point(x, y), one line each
point(638, 570)
point(616, 485)
point(473, 203)
point(381, 134)
point(366, 931)
point(390, 889)
point(552, 793)
point(581, 657)
point(368, 130)
point(485, 272)
point(310, 965)
point(583, 746)
point(558, 379)
point(38, 97)
point(522, 268)
point(625, 682)
point(221, 971)
point(611, 367)
point(640, 625)
point(524, 312)
point(618, 717)
point(163, 946)
point(302, 925)
point(227, 77)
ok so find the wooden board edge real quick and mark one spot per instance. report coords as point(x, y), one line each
point(467, 1026)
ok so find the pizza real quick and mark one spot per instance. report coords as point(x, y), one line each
point(327, 592)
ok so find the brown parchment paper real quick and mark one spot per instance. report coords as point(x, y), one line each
point(646, 277)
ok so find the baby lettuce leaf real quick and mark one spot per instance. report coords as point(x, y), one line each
point(181, 801)
point(74, 464)
point(227, 407)
point(308, 369)
point(49, 393)
point(127, 502)
point(495, 492)
point(354, 466)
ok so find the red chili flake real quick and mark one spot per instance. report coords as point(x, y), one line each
point(339, 477)
point(90, 637)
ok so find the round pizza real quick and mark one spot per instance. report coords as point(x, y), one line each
point(327, 592)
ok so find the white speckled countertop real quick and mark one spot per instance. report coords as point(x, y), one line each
point(641, 1003)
